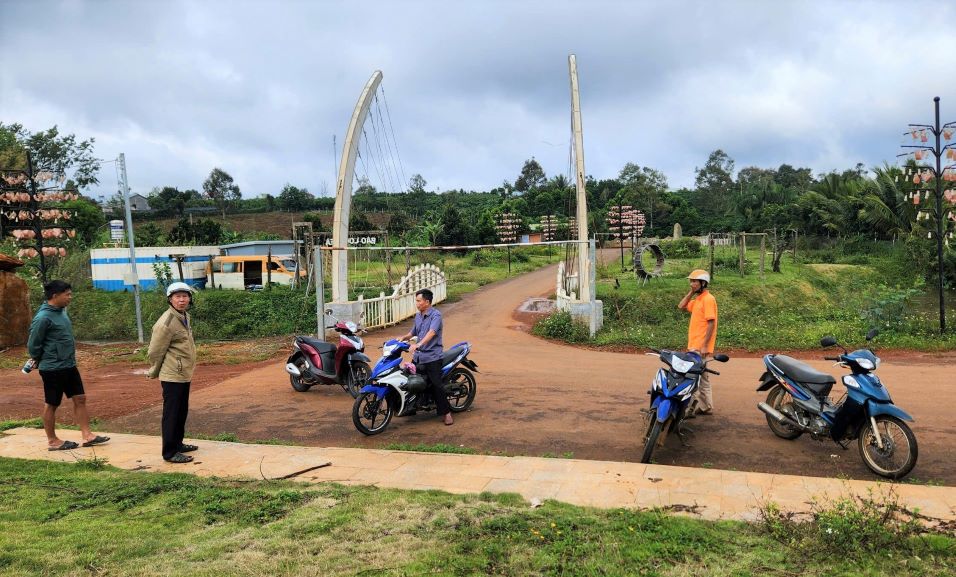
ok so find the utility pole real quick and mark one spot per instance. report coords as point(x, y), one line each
point(134, 277)
point(922, 174)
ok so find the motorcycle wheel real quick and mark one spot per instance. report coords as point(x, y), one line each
point(356, 377)
point(297, 382)
point(371, 415)
point(898, 455)
point(778, 398)
point(461, 389)
point(651, 441)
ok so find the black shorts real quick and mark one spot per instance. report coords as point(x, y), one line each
point(61, 382)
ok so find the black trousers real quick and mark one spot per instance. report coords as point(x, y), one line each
point(432, 372)
point(175, 409)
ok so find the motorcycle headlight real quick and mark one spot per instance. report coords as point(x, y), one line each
point(849, 381)
point(680, 365)
point(866, 364)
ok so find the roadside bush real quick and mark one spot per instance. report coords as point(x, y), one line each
point(217, 314)
point(681, 248)
point(852, 527)
point(561, 326)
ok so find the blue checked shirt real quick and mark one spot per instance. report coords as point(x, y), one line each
point(432, 350)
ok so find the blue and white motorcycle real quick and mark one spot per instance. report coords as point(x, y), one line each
point(394, 388)
point(799, 402)
point(671, 393)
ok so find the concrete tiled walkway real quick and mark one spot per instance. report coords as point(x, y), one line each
point(708, 493)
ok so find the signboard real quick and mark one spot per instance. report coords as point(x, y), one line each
point(116, 230)
point(356, 240)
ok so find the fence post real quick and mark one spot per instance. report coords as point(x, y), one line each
point(710, 242)
point(742, 251)
point(763, 253)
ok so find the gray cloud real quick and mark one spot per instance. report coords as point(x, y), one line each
point(473, 88)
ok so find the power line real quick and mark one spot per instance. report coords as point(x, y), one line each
point(392, 130)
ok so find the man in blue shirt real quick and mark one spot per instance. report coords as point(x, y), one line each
point(427, 352)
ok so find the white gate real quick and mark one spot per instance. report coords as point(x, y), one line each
point(388, 310)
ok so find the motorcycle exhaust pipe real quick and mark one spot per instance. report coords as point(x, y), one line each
point(293, 370)
point(778, 415)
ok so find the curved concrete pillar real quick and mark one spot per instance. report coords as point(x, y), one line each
point(343, 190)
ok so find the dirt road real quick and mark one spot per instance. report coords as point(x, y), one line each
point(541, 398)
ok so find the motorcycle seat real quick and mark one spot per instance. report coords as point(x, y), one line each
point(321, 346)
point(801, 372)
point(450, 355)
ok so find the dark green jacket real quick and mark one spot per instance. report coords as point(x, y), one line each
point(51, 339)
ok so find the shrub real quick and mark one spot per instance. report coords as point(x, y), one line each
point(681, 248)
point(852, 527)
point(561, 326)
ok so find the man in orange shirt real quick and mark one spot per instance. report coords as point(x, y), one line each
point(701, 334)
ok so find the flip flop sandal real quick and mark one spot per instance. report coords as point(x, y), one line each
point(179, 458)
point(188, 448)
point(66, 446)
point(98, 440)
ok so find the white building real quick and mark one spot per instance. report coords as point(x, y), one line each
point(110, 266)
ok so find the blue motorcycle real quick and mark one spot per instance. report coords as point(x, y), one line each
point(671, 393)
point(799, 402)
point(397, 390)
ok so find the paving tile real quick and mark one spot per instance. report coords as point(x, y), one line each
point(527, 489)
point(708, 493)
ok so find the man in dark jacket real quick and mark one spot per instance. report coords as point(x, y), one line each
point(52, 346)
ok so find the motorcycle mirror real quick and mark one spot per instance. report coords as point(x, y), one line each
point(721, 358)
point(872, 334)
point(328, 312)
point(827, 342)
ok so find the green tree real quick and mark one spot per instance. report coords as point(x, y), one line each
point(293, 198)
point(87, 220)
point(203, 231)
point(170, 201)
point(485, 231)
point(416, 193)
point(797, 179)
point(642, 188)
point(365, 187)
point(148, 234)
point(454, 230)
point(532, 176)
point(316, 219)
point(50, 151)
point(359, 221)
point(221, 189)
point(398, 225)
point(715, 187)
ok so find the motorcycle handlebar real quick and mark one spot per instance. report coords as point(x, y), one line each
point(711, 371)
point(831, 358)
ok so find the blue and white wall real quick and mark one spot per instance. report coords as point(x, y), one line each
point(109, 265)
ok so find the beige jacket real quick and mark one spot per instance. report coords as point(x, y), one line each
point(172, 352)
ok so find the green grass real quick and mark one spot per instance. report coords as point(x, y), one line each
point(788, 310)
point(69, 520)
point(37, 423)
point(434, 448)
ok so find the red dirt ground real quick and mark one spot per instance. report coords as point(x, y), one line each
point(534, 398)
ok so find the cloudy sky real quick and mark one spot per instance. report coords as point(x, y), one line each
point(472, 89)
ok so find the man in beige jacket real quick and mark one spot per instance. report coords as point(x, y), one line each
point(172, 356)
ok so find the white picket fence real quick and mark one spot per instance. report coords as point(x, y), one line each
point(388, 310)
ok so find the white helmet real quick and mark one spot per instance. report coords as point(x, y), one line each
point(178, 287)
point(700, 274)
